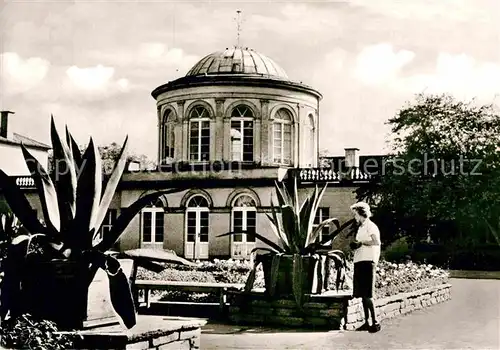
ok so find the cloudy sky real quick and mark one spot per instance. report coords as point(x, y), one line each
point(93, 64)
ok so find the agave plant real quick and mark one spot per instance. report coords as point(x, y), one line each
point(297, 236)
point(74, 203)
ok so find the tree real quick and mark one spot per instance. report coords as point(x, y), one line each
point(110, 154)
point(442, 179)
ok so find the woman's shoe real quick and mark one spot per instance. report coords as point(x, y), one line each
point(374, 328)
point(364, 327)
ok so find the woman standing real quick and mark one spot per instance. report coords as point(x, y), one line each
point(366, 248)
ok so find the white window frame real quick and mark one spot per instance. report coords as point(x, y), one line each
point(321, 219)
point(199, 118)
point(197, 210)
point(241, 120)
point(244, 243)
point(154, 211)
point(283, 123)
point(310, 141)
point(168, 141)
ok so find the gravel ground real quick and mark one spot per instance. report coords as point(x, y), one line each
point(470, 320)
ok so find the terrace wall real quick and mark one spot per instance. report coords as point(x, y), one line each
point(328, 310)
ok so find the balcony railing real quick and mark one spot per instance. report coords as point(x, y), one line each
point(305, 175)
point(24, 182)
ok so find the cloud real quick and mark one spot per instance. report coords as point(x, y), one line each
point(458, 74)
point(20, 74)
point(299, 19)
point(90, 78)
point(154, 57)
point(427, 10)
point(378, 64)
point(461, 75)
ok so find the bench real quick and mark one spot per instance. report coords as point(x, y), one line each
point(193, 287)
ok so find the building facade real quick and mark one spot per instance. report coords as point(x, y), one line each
point(227, 131)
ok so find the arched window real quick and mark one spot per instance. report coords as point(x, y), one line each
point(197, 221)
point(168, 138)
point(153, 225)
point(309, 141)
point(244, 217)
point(199, 134)
point(282, 137)
point(242, 134)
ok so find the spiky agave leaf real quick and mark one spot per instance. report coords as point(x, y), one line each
point(297, 279)
point(111, 186)
point(46, 191)
point(75, 150)
point(339, 259)
point(128, 214)
point(64, 178)
point(290, 223)
point(120, 293)
point(88, 195)
point(19, 205)
point(273, 278)
point(316, 199)
point(254, 235)
point(316, 231)
point(319, 245)
point(306, 212)
point(286, 239)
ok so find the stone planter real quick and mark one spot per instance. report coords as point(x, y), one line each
point(284, 283)
point(56, 290)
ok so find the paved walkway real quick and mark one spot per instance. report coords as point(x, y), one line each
point(469, 321)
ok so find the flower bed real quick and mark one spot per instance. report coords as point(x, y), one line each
point(394, 278)
point(391, 278)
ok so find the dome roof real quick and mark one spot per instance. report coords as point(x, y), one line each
point(238, 60)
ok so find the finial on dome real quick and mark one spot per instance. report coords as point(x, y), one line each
point(238, 27)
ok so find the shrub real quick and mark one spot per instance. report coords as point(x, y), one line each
point(398, 251)
point(24, 332)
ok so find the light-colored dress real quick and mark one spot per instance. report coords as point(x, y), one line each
point(367, 253)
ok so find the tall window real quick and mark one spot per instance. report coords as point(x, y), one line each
point(282, 137)
point(244, 218)
point(197, 219)
point(310, 141)
point(322, 214)
point(168, 139)
point(242, 134)
point(153, 225)
point(199, 135)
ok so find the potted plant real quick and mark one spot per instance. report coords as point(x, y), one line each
point(298, 263)
point(51, 266)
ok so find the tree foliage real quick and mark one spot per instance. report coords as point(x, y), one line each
point(110, 154)
point(442, 178)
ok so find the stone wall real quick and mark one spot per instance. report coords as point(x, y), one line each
point(150, 332)
point(398, 304)
point(327, 311)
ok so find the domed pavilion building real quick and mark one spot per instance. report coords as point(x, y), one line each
point(237, 105)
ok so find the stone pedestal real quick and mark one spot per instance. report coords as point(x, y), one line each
point(99, 310)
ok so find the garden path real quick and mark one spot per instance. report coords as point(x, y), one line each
point(470, 320)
